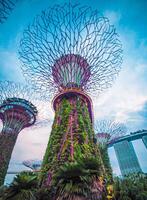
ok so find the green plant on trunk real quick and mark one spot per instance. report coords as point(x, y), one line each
point(106, 161)
point(71, 140)
point(22, 188)
point(132, 187)
point(75, 180)
point(7, 142)
point(50, 159)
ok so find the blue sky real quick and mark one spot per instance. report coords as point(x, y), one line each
point(126, 101)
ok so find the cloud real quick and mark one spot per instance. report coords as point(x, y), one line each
point(128, 95)
point(138, 119)
point(113, 16)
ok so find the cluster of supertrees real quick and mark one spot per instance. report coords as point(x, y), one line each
point(69, 51)
point(6, 7)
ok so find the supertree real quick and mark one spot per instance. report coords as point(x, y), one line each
point(108, 131)
point(6, 6)
point(17, 111)
point(70, 50)
point(35, 165)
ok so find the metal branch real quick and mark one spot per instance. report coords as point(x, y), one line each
point(71, 46)
point(6, 7)
point(19, 93)
point(108, 131)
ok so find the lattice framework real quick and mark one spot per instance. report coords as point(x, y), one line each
point(71, 46)
point(6, 7)
point(108, 131)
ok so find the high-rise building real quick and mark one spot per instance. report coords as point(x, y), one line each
point(127, 159)
point(144, 139)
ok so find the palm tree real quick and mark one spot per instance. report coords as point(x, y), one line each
point(3, 189)
point(22, 188)
point(79, 180)
point(131, 187)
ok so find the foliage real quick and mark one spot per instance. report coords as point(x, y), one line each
point(75, 180)
point(106, 161)
point(132, 187)
point(3, 189)
point(23, 187)
point(45, 194)
point(50, 158)
point(72, 161)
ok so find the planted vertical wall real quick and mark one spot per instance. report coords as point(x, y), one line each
point(7, 142)
point(71, 143)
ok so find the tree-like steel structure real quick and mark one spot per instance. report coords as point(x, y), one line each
point(108, 131)
point(76, 35)
point(17, 111)
point(67, 51)
point(6, 6)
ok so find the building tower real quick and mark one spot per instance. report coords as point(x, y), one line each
point(108, 131)
point(144, 139)
point(6, 6)
point(16, 112)
point(127, 159)
point(70, 51)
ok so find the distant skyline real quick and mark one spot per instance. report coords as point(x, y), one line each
point(126, 101)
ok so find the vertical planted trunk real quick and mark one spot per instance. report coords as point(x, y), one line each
point(12, 125)
point(7, 143)
point(106, 161)
point(16, 114)
point(71, 150)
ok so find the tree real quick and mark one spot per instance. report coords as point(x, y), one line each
point(22, 188)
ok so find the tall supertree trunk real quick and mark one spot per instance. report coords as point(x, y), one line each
point(106, 161)
point(12, 125)
point(7, 143)
point(71, 139)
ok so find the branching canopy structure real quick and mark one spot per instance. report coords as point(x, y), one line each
point(15, 100)
point(108, 131)
point(17, 111)
point(71, 46)
point(6, 6)
point(24, 94)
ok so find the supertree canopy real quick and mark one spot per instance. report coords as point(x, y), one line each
point(71, 46)
point(108, 131)
point(70, 50)
point(6, 6)
point(17, 111)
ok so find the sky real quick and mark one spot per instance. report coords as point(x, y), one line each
point(125, 101)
